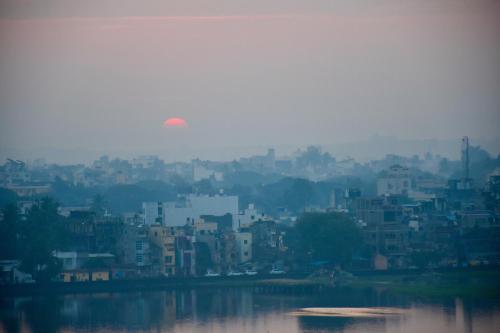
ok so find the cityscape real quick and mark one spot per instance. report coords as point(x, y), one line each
point(144, 218)
point(231, 166)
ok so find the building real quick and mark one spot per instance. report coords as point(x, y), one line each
point(164, 238)
point(153, 213)
point(136, 250)
point(185, 256)
point(478, 219)
point(190, 208)
point(384, 227)
point(145, 162)
point(201, 172)
point(395, 181)
point(267, 241)
point(29, 190)
point(250, 215)
point(202, 227)
point(71, 260)
point(82, 266)
point(84, 275)
point(491, 193)
point(10, 273)
point(260, 163)
point(243, 246)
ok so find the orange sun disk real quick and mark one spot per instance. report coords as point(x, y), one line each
point(175, 122)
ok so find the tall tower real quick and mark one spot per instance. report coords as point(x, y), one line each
point(465, 157)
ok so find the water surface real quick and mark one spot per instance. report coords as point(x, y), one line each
point(241, 310)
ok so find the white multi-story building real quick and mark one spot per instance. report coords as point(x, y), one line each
point(395, 181)
point(144, 162)
point(249, 216)
point(190, 209)
point(153, 213)
point(200, 172)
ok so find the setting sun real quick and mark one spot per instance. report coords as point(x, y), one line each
point(175, 122)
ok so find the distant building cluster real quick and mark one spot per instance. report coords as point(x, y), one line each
point(412, 213)
point(163, 242)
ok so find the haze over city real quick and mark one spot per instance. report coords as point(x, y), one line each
point(279, 166)
point(101, 77)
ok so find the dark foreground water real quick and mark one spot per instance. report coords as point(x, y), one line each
point(240, 310)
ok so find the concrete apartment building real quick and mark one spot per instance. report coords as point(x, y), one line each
point(383, 227)
point(164, 238)
point(189, 209)
point(395, 181)
point(243, 246)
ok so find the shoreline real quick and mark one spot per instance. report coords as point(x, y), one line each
point(288, 284)
point(482, 282)
point(471, 282)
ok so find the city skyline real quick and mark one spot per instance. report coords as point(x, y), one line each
point(79, 78)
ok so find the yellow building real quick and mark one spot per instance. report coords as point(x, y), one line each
point(205, 228)
point(99, 275)
point(84, 276)
point(164, 238)
point(74, 276)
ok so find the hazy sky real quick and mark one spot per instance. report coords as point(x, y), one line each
point(103, 75)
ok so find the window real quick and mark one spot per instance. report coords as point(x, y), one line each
point(138, 245)
point(245, 254)
point(245, 241)
point(168, 259)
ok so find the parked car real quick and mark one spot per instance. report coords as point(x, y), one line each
point(211, 274)
point(277, 271)
point(250, 272)
point(233, 273)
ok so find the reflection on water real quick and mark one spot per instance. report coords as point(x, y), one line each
point(239, 310)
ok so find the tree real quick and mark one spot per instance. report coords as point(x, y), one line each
point(444, 166)
point(7, 197)
point(204, 186)
point(328, 236)
point(40, 234)
point(9, 229)
point(300, 194)
point(98, 204)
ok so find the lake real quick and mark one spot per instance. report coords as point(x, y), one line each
point(242, 310)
